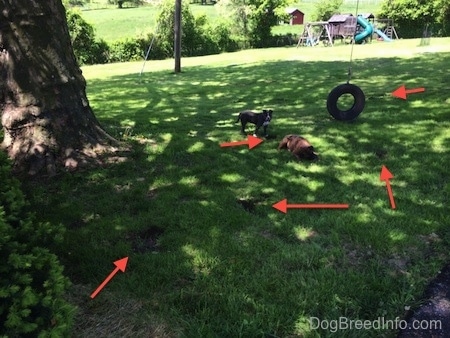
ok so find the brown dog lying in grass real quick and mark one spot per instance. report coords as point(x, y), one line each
point(299, 146)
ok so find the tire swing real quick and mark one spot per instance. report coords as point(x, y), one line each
point(359, 99)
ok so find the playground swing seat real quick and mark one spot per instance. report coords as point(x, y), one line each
point(313, 41)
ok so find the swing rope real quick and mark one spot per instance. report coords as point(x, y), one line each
point(349, 74)
point(149, 49)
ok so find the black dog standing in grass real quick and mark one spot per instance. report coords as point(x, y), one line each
point(258, 119)
point(299, 147)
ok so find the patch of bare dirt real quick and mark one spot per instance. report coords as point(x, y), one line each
point(146, 240)
point(110, 315)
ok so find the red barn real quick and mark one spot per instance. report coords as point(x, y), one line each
point(296, 16)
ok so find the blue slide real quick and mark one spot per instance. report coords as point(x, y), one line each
point(382, 35)
point(368, 29)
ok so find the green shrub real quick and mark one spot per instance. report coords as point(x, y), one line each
point(85, 47)
point(263, 18)
point(325, 9)
point(412, 16)
point(136, 49)
point(287, 39)
point(220, 34)
point(99, 53)
point(199, 37)
point(31, 278)
point(126, 50)
point(165, 24)
point(156, 52)
point(252, 20)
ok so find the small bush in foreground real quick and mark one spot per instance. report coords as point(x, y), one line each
point(31, 278)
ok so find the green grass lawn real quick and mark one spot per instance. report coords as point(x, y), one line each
point(208, 255)
point(113, 24)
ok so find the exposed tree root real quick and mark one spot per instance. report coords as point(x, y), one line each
point(38, 152)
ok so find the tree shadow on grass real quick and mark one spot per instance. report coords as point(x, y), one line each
point(268, 272)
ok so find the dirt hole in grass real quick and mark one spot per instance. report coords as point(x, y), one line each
point(248, 205)
point(76, 224)
point(152, 193)
point(146, 240)
point(381, 153)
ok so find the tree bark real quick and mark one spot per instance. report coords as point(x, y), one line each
point(45, 114)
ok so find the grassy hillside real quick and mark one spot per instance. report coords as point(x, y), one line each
point(208, 255)
point(112, 23)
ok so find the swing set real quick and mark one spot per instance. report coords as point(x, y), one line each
point(315, 32)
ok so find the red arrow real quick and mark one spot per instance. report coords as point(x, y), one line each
point(283, 206)
point(251, 141)
point(121, 264)
point(401, 92)
point(386, 175)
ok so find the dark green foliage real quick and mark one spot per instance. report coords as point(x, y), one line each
point(252, 20)
point(135, 49)
point(325, 9)
point(443, 16)
point(86, 48)
point(199, 37)
point(99, 52)
point(284, 40)
point(31, 278)
point(263, 18)
point(221, 35)
point(127, 50)
point(412, 16)
point(191, 36)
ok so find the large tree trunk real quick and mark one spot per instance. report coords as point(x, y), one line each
point(46, 118)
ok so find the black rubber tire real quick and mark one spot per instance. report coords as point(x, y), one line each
point(354, 111)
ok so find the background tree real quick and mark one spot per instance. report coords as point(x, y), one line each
point(87, 49)
point(252, 20)
point(72, 3)
point(199, 36)
point(237, 13)
point(412, 16)
point(443, 16)
point(45, 114)
point(263, 17)
point(165, 23)
point(325, 9)
point(120, 3)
